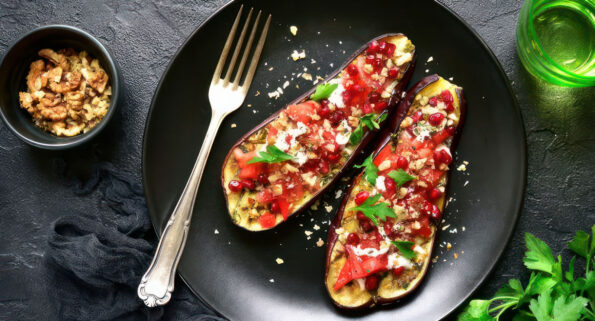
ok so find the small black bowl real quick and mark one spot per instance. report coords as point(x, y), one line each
point(14, 68)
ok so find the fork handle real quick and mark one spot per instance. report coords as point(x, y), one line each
point(157, 283)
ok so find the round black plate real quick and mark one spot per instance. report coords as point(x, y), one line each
point(233, 270)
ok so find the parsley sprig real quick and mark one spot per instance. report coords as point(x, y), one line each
point(405, 248)
point(369, 121)
point(400, 177)
point(551, 294)
point(375, 211)
point(370, 170)
point(323, 91)
point(272, 155)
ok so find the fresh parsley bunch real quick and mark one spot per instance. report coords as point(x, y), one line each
point(551, 294)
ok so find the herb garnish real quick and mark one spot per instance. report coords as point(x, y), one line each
point(376, 212)
point(550, 294)
point(405, 248)
point(400, 177)
point(369, 121)
point(370, 170)
point(272, 155)
point(324, 91)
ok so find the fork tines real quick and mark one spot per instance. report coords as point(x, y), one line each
point(238, 48)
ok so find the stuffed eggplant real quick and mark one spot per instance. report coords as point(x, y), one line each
point(381, 240)
point(285, 163)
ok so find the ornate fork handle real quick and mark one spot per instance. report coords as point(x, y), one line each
point(157, 283)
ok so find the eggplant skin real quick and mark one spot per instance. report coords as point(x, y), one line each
point(394, 116)
point(350, 297)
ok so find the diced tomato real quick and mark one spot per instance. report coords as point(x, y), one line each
point(383, 154)
point(265, 196)
point(303, 112)
point(344, 276)
point(440, 136)
point(272, 133)
point(250, 171)
point(359, 267)
point(284, 207)
point(267, 220)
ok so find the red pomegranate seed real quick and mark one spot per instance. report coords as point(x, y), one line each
point(435, 212)
point(333, 158)
point(323, 167)
point(433, 101)
point(352, 70)
point(388, 228)
point(436, 119)
point(337, 117)
point(389, 184)
point(248, 183)
point(373, 97)
point(360, 216)
point(371, 282)
point(451, 130)
point(235, 186)
point(275, 208)
point(263, 179)
point(445, 157)
point(324, 111)
point(417, 116)
point(449, 108)
point(378, 64)
point(398, 270)
point(393, 73)
point(373, 48)
point(446, 96)
point(382, 47)
point(390, 49)
point(361, 197)
point(366, 108)
point(353, 239)
point(380, 106)
point(434, 194)
point(402, 162)
point(370, 59)
point(346, 96)
point(367, 226)
point(356, 89)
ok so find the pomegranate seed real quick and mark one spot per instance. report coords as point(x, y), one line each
point(356, 89)
point(445, 157)
point(324, 111)
point(346, 96)
point(360, 216)
point(417, 116)
point(378, 64)
point(352, 70)
point(333, 158)
point(380, 106)
point(382, 47)
point(388, 228)
point(370, 59)
point(366, 108)
point(371, 283)
point(235, 186)
point(373, 48)
point(352, 239)
point(390, 49)
point(263, 179)
point(434, 194)
point(398, 270)
point(449, 108)
point(323, 167)
point(248, 183)
point(451, 130)
point(437, 156)
point(374, 97)
point(367, 226)
point(446, 96)
point(389, 184)
point(324, 102)
point(393, 73)
point(435, 212)
point(337, 117)
point(433, 101)
point(361, 197)
point(436, 119)
point(275, 208)
point(402, 162)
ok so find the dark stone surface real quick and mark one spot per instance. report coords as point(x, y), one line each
point(144, 35)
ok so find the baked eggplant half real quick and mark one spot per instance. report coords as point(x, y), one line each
point(288, 161)
point(380, 242)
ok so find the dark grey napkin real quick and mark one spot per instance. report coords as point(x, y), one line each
point(98, 257)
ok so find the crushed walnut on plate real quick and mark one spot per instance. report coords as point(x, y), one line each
point(68, 92)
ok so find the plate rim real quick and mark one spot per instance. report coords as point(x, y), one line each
point(516, 110)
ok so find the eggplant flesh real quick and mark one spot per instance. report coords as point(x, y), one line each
point(243, 206)
point(354, 295)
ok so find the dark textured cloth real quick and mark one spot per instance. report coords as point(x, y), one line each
point(97, 259)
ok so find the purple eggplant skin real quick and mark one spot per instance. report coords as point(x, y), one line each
point(368, 136)
point(382, 140)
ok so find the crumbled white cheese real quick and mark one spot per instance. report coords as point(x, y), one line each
point(369, 251)
point(380, 183)
point(419, 250)
point(395, 260)
point(336, 97)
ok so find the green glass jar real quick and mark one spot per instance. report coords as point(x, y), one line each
point(556, 41)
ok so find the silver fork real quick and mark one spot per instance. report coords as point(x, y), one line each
point(157, 283)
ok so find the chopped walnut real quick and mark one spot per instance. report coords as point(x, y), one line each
point(68, 93)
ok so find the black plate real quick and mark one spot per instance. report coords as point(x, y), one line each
point(231, 270)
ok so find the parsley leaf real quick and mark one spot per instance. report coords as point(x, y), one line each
point(477, 310)
point(580, 244)
point(405, 248)
point(324, 91)
point(272, 155)
point(370, 170)
point(376, 212)
point(564, 308)
point(356, 135)
point(400, 177)
point(539, 255)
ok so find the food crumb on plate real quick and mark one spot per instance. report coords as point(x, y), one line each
point(448, 246)
point(293, 30)
point(456, 256)
point(462, 167)
point(232, 126)
point(316, 227)
point(314, 206)
point(285, 84)
point(295, 55)
point(257, 93)
point(279, 261)
point(307, 76)
point(466, 183)
point(308, 233)
point(216, 231)
point(272, 280)
point(430, 59)
point(320, 242)
point(328, 208)
point(271, 68)
point(451, 78)
point(338, 194)
point(444, 228)
point(427, 71)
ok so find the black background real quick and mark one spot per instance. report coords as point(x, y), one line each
point(144, 35)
